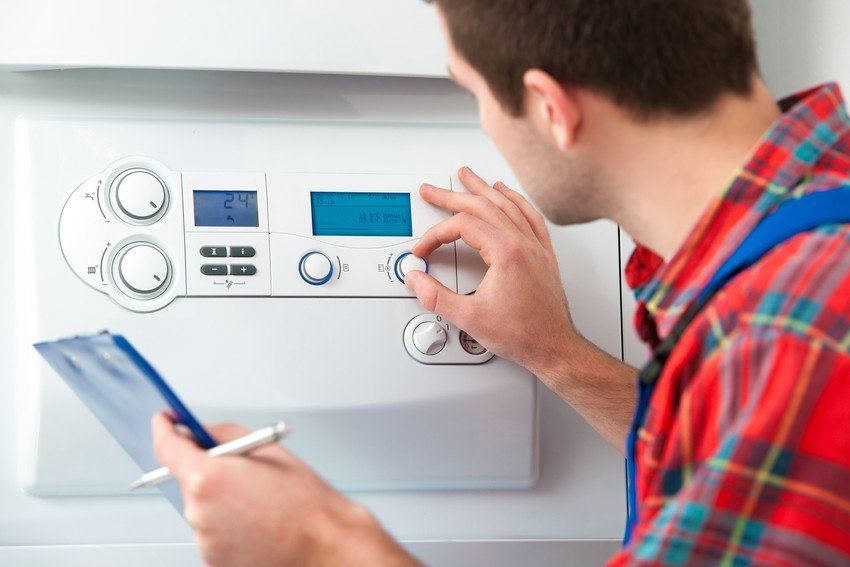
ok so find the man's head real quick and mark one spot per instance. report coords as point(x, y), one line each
point(541, 69)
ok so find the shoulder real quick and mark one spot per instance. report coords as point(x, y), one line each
point(801, 288)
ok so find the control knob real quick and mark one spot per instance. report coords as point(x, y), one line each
point(407, 263)
point(429, 337)
point(316, 268)
point(140, 196)
point(143, 268)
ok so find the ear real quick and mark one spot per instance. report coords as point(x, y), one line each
point(552, 106)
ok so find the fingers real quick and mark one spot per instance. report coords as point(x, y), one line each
point(173, 450)
point(478, 186)
point(534, 218)
point(475, 232)
point(497, 205)
point(439, 299)
point(224, 432)
point(475, 205)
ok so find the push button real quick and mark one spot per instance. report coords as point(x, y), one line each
point(242, 252)
point(243, 270)
point(214, 251)
point(214, 269)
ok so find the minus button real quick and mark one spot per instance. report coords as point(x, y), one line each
point(214, 269)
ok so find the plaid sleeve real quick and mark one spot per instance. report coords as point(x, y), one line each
point(775, 488)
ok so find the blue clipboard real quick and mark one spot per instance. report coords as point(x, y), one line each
point(124, 392)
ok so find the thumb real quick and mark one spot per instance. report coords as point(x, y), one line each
point(437, 298)
point(173, 450)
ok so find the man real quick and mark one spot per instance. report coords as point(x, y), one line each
point(652, 114)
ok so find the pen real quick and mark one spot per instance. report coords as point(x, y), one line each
point(239, 446)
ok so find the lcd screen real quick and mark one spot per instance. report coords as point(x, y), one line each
point(337, 213)
point(226, 208)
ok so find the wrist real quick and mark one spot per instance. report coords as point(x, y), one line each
point(328, 531)
point(347, 534)
point(562, 360)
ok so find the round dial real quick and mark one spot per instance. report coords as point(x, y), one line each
point(407, 263)
point(316, 268)
point(143, 268)
point(429, 337)
point(140, 195)
point(470, 345)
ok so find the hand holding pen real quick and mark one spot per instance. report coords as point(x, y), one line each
point(240, 446)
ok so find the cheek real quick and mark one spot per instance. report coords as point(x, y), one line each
point(484, 120)
point(494, 128)
point(509, 145)
point(491, 116)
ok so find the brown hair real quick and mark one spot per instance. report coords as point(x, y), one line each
point(651, 57)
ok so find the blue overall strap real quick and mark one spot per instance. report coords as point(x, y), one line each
point(793, 217)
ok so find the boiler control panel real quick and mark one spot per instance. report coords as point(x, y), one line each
point(145, 235)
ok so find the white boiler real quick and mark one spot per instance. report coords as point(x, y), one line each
point(234, 188)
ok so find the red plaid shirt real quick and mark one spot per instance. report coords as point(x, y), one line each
point(744, 456)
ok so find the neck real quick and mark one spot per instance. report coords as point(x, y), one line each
point(667, 172)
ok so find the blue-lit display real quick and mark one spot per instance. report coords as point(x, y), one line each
point(226, 208)
point(360, 214)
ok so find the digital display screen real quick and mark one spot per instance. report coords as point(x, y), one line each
point(360, 214)
point(226, 208)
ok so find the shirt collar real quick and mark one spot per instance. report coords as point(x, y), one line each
point(811, 123)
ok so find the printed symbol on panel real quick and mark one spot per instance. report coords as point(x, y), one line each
point(231, 219)
point(228, 283)
point(381, 267)
point(92, 269)
point(90, 196)
point(345, 267)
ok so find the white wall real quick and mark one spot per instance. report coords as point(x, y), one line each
point(803, 43)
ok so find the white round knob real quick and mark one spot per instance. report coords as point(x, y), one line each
point(407, 263)
point(429, 338)
point(140, 195)
point(143, 269)
point(316, 268)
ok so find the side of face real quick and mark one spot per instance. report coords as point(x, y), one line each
point(541, 145)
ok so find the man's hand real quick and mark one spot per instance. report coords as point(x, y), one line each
point(519, 310)
point(268, 508)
